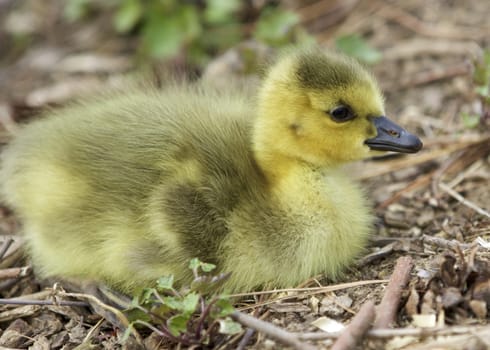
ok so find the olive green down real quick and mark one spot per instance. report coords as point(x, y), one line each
point(129, 186)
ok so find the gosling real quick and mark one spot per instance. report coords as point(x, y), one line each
point(125, 188)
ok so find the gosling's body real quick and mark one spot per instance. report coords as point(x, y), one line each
point(130, 187)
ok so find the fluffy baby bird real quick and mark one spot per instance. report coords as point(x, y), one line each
point(126, 188)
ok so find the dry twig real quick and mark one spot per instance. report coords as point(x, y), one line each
point(386, 333)
point(434, 74)
point(303, 292)
point(16, 301)
point(414, 24)
point(333, 11)
point(12, 258)
point(412, 48)
point(463, 200)
point(5, 246)
point(356, 330)
point(387, 309)
point(110, 313)
point(15, 272)
point(245, 339)
point(445, 243)
point(272, 331)
point(325, 289)
point(375, 168)
point(415, 184)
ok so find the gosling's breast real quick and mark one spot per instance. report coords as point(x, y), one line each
point(331, 217)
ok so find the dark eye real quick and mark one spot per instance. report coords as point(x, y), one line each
point(342, 114)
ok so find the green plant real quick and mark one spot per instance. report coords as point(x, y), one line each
point(190, 316)
point(355, 46)
point(278, 27)
point(198, 28)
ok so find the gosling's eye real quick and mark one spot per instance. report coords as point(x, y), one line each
point(342, 114)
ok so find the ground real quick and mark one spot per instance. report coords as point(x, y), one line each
point(433, 206)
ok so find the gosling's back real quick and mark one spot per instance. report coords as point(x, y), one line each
point(131, 186)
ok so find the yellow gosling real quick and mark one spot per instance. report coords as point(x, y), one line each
point(128, 187)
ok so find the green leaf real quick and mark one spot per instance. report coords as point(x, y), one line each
point(228, 326)
point(189, 303)
point(482, 90)
point(206, 267)
point(194, 263)
point(128, 15)
point(165, 282)
point(163, 35)
point(135, 301)
point(470, 121)
point(481, 75)
point(197, 54)
point(223, 307)
point(219, 11)
point(486, 57)
point(304, 39)
point(177, 324)
point(190, 22)
point(355, 46)
point(146, 295)
point(76, 9)
point(207, 284)
point(220, 37)
point(173, 303)
point(275, 26)
point(137, 314)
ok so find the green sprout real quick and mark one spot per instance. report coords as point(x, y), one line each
point(191, 316)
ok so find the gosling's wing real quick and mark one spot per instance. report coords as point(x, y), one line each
point(123, 146)
point(109, 179)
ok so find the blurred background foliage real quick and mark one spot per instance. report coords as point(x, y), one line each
point(197, 29)
point(200, 29)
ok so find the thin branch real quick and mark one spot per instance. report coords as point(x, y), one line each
point(110, 313)
point(203, 316)
point(387, 309)
point(410, 49)
point(5, 246)
point(12, 258)
point(415, 184)
point(334, 11)
point(320, 290)
point(387, 333)
point(246, 338)
point(324, 289)
point(41, 295)
point(357, 329)
point(279, 334)
point(376, 168)
point(43, 302)
point(416, 25)
point(436, 73)
point(160, 332)
point(463, 200)
point(445, 243)
point(15, 272)
point(92, 331)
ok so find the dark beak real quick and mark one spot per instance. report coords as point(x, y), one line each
point(392, 137)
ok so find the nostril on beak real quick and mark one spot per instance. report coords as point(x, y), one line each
point(394, 133)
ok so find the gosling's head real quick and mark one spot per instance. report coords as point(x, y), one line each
point(324, 109)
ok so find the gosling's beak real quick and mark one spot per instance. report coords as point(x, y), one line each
point(392, 137)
